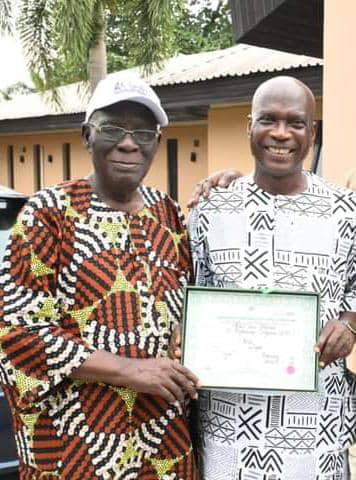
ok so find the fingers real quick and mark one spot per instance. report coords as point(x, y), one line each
point(194, 199)
point(227, 177)
point(207, 185)
point(166, 378)
point(184, 382)
point(177, 352)
point(174, 350)
point(335, 341)
point(183, 385)
point(332, 350)
point(187, 373)
point(323, 338)
point(167, 395)
point(222, 178)
point(175, 387)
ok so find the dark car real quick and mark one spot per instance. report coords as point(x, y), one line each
point(11, 203)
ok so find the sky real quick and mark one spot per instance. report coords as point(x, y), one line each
point(13, 65)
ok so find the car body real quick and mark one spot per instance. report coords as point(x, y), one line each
point(11, 203)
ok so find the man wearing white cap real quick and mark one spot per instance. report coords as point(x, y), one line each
point(91, 291)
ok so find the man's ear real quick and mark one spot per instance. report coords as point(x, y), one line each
point(86, 137)
point(249, 125)
point(313, 132)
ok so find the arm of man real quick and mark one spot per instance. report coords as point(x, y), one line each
point(221, 178)
point(156, 376)
point(39, 344)
point(337, 338)
point(38, 350)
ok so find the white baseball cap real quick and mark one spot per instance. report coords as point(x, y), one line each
point(118, 87)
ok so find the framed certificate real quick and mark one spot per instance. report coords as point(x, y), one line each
point(244, 339)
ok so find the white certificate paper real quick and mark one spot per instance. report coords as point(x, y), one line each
point(238, 339)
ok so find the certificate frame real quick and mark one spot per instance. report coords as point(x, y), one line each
point(196, 356)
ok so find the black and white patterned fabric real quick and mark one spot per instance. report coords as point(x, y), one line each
point(245, 237)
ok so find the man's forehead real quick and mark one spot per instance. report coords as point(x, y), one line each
point(283, 92)
point(285, 107)
point(292, 98)
point(123, 110)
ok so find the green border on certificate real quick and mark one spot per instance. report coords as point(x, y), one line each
point(251, 339)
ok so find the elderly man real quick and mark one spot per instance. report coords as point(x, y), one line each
point(282, 228)
point(91, 289)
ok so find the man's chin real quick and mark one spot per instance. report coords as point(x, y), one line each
point(279, 170)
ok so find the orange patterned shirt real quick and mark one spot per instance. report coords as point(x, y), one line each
point(79, 276)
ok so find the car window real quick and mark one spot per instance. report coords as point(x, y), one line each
point(4, 236)
point(9, 208)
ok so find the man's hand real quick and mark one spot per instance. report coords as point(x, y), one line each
point(222, 178)
point(335, 341)
point(159, 376)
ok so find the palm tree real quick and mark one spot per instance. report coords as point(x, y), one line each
point(54, 33)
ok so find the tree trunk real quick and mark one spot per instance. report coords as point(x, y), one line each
point(97, 55)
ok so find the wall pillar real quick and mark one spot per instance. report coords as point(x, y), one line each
point(339, 91)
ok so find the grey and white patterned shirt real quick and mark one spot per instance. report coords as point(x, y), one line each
point(245, 237)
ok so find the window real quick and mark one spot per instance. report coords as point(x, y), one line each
point(37, 167)
point(10, 166)
point(172, 159)
point(66, 161)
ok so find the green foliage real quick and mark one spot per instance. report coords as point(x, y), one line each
point(196, 25)
point(5, 17)
point(141, 32)
point(204, 26)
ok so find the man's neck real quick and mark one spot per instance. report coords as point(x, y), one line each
point(286, 185)
point(126, 202)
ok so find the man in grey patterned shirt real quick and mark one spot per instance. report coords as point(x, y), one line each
point(282, 228)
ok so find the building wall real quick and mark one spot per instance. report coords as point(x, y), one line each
point(339, 100)
point(51, 151)
point(51, 159)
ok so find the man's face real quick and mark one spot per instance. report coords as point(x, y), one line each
point(281, 130)
point(120, 165)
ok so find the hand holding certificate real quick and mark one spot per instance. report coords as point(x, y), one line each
point(251, 340)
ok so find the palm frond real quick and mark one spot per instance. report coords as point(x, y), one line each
point(6, 17)
point(73, 20)
point(155, 20)
point(55, 36)
point(35, 26)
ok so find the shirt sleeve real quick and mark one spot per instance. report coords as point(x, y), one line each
point(39, 343)
point(199, 248)
point(348, 303)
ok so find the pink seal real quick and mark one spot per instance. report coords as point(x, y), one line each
point(290, 370)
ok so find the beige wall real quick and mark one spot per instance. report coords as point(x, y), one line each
point(227, 140)
point(339, 101)
point(52, 144)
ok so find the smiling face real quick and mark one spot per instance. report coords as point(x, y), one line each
point(281, 127)
point(120, 166)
